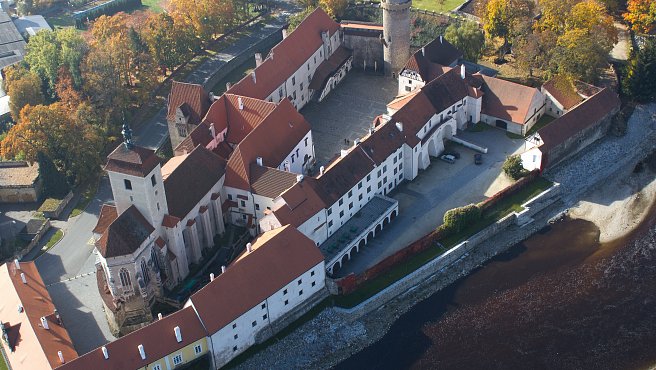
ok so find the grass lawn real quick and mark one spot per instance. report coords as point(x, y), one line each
point(53, 240)
point(153, 5)
point(61, 19)
point(3, 365)
point(235, 76)
point(435, 5)
point(543, 121)
point(503, 208)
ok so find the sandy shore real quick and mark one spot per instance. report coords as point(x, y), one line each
point(618, 205)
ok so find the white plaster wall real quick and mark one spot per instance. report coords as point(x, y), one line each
point(532, 159)
point(261, 205)
point(295, 157)
point(315, 227)
point(276, 302)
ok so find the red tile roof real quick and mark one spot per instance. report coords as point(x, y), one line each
point(302, 201)
point(273, 139)
point(137, 161)
point(507, 100)
point(328, 67)
point(563, 90)
point(385, 140)
point(287, 57)
point(125, 235)
point(170, 221)
point(344, 173)
point(191, 180)
point(158, 340)
point(361, 25)
point(192, 98)
point(579, 118)
point(270, 182)
point(108, 214)
point(278, 257)
point(34, 346)
point(402, 100)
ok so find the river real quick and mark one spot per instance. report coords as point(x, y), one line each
point(558, 300)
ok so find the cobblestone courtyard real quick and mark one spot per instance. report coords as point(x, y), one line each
point(347, 112)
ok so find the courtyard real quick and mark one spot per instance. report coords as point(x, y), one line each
point(347, 112)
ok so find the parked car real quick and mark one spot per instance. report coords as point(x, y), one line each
point(448, 158)
point(453, 153)
point(478, 158)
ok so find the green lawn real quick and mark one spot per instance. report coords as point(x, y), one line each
point(86, 197)
point(60, 20)
point(3, 365)
point(543, 121)
point(511, 204)
point(435, 5)
point(54, 239)
point(154, 5)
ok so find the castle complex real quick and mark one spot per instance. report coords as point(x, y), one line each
point(247, 158)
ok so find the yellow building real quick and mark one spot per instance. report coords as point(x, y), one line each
point(169, 343)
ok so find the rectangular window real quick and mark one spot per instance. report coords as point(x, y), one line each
point(341, 214)
point(351, 205)
point(300, 292)
point(263, 305)
point(341, 201)
point(330, 211)
point(229, 196)
point(369, 177)
point(234, 326)
point(400, 153)
point(254, 323)
point(235, 336)
point(128, 184)
point(378, 173)
point(330, 224)
point(311, 273)
point(379, 184)
point(284, 292)
point(152, 180)
point(350, 193)
point(306, 139)
point(360, 185)
point(177, 359)
point(157, 367)
point(300, 281)
point(257, 206)
point(301, 85)
point(368, 189)
point(294, 81)
point(360, 197)
point(280, 91)
point(313, 283)
point(264, 317)
point(395, 159)
point(294, 94)
point(395, 171)
point(286, 302)
point(243, 203)
point(408, 88)
point(198, 349)
point(385, 168)
point(400, 166)
point(234, 349)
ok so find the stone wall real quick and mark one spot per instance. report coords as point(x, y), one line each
point(367, 50)
point(20, 194)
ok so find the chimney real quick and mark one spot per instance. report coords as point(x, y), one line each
point(259, 161)
point(17, 264)
point(271, 54)
point(399, 125)
point(159, 316)
point(258, 59)
point(356, 142)
point(211, 276)
point(343, 153)
point(423, 51)
point(142, 352)
point(254, 78)
point(23, 278)
point(212, 131)
point(299, 178)
point(441, 39)
point(284, 33)
point(44, 323)
point(462, 71)
point(241, 103)
point(223, 269)
point(61, 357)
point(57, 316)
point(178, 334)
point(371, 130)
point(249, 247)
point(321, 169)
point(228, 86)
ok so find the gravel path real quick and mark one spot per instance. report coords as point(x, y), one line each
point(333, 336)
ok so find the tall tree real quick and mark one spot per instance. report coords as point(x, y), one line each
point(501, 17)
point(207, 18)
point(640, 78)
point(24, 91)
point(468, 38)
point(54, 182)
point(334, 8)
point(169, 45)
point(642, 15)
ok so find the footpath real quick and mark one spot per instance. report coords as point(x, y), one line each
point(336, 334)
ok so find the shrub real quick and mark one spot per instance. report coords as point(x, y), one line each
point(455, 220)
point(513, 167)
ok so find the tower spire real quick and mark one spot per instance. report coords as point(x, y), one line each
point(127, 134)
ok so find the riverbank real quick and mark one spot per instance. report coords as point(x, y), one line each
point(335, 335)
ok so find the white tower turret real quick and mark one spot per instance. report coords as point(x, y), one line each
point(396, 34)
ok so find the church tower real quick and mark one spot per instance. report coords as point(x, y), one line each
point(396, 34)
point(136, 179)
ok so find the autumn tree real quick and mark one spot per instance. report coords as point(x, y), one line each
point(639, 81)
point(65, 89)
point(207, 18)
point(642, 15)
point(26, 90)
point(501, 17)
point(334, 8)
point(468, 38)
point(47, 51)
point(73, 147)
point(169, 45)
point(54, 182)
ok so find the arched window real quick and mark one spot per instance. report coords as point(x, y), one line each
point(125, 278)
point(144, 271)
point(155, 258)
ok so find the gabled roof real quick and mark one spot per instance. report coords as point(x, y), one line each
point(34, 346)
point(302, 201)
point(137, 161)
point(278, 257)
point(385, 140)
point(563, 90)
point(270, 182)
point(402, 100)
point(287, 57)
point(12, 45)
point(224, 113)
point(273, 139)
point(433, 59)
point(507, 100)
point(108, 214)
point(579, 118)
point(158, 340)
point(344, 173)
point(328, 67)
point(189, 180)
point(191, 98)
point(125, 235)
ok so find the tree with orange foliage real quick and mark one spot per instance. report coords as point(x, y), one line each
point(642, 15)
point(207, 18)
point(334, 8)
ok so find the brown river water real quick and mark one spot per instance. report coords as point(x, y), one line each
point(558, 300)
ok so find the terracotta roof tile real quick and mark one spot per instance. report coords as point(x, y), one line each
point(288, 56)
point(398, 102)
point(284, 126)
point(137, 161)
point(18, 173)
point(125, 234)
point(108, 214)
point(385, 140)
point(278, 257)
point(328, 67)
point(160, 242)
point(34, 346)
point(563, 90)
point(191, 180)
point(344, 173)
point(157, 338)
point(270, 182)
point(579, 118)
point(302, 201)
point(170, 221)
point(507, 100)
point(193, 98)
point(433, 59)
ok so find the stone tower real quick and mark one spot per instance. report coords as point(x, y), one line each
point(396, 34)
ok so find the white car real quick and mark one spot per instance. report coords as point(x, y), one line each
point(448, 158)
